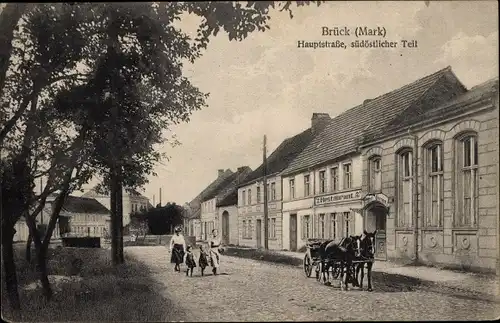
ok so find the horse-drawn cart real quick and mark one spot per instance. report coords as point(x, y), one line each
point(312, 258)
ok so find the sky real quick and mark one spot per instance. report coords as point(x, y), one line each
point(265, 85)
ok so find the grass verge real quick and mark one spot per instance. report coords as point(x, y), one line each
point(262, 255)
point(88, 288)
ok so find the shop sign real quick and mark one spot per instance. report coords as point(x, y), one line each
point(340, 197)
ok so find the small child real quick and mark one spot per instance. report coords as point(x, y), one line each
point(203, 261)
point(190, 263)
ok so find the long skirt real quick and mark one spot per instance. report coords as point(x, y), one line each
point(177, 254)
point(214, 257)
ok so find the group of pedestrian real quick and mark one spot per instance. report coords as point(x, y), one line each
point(180, 253)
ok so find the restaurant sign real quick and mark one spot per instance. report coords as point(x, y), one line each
point(340, 197)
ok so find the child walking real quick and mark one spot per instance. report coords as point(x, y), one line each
point(190, 263)
point(203, 261)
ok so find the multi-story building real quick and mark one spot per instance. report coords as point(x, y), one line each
point(437, 169)
point(322, 187)
point(87, 217)
point(133, 201)
point(250, 194)
point(192, 223)
point(210, 218)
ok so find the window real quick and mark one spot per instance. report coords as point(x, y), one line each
point(321, 226)
point(322, 182)
point(334, 172)
point(333, 226)
point(307, 188)
point(249, 229)
point(292, 188)
point(258, 194)
point(244, 230)
point(349, 228)
point(249, 197)
point(405, 188)
point(243, 197)
point(467, 181)
point(347, 176)
point(433, 185)
point(272, 228)
point(375, 174)
point(306, 227)
point(273, 191)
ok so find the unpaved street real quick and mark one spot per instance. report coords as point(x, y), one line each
point(249, 290)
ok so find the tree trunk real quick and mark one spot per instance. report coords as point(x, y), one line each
point(119, 211)
point(43, 272)
point(9, 19)
point(114, 219)
point(28, 248)
point(8, 232)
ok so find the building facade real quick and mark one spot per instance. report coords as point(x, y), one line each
point(434, 183)
point(251, 194)
point(319, 203)
point(324, 190)
point(209, 213)
point(133, 201)
point(192, 223)
point(87, 217)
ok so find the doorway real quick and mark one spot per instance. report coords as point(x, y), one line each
point(258, 233)
point(225, 228)
point(293, 232)
point(376, 219)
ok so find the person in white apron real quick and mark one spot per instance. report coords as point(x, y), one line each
point(177, 248)
point(214, 246)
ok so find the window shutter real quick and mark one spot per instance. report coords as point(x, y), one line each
point(316, 226)
point(302, 228)
point(327, 225)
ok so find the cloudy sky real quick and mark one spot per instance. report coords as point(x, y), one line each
point(266, 85)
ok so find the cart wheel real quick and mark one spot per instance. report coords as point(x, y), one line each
point(307, 265)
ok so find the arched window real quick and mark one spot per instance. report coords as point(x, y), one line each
point(466, 180)
point(404, 185)
point(433, 184)
point(375, 174)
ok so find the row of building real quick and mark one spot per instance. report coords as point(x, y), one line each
point(88, 215)
point(418, 164)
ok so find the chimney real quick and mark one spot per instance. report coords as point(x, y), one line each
point(319, 121)
point(220, 172)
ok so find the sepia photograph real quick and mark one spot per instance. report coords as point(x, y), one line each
point(240, 161)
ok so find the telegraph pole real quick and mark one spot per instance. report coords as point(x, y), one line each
point(41, 191)
point(266, 229)
point(160, 195)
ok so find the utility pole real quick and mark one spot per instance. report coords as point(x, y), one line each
point(266, 228)
point(160, 195)
point(154, 205)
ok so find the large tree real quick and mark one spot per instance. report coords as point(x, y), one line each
point(92, 87)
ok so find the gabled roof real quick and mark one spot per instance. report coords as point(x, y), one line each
point(94, 192)
point(77, 204)
point(369, 120)
point(230, 183)
point(195, 204)
point(454, 107)
point(231, 199)
point(282, 156)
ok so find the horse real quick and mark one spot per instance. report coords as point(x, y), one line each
point(366, 247)
point(344, 252)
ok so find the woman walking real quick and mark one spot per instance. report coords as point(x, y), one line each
point(177, 247)
point(214, 247)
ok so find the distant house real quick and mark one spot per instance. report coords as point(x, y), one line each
point(192, 222)
point(133, 201)
point(79, 216)
point(213, 217)
point(87, 217)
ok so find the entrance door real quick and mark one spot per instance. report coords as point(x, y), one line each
point(293, 232)
point(225, 227)
point(377, 220)
point(258, 232)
